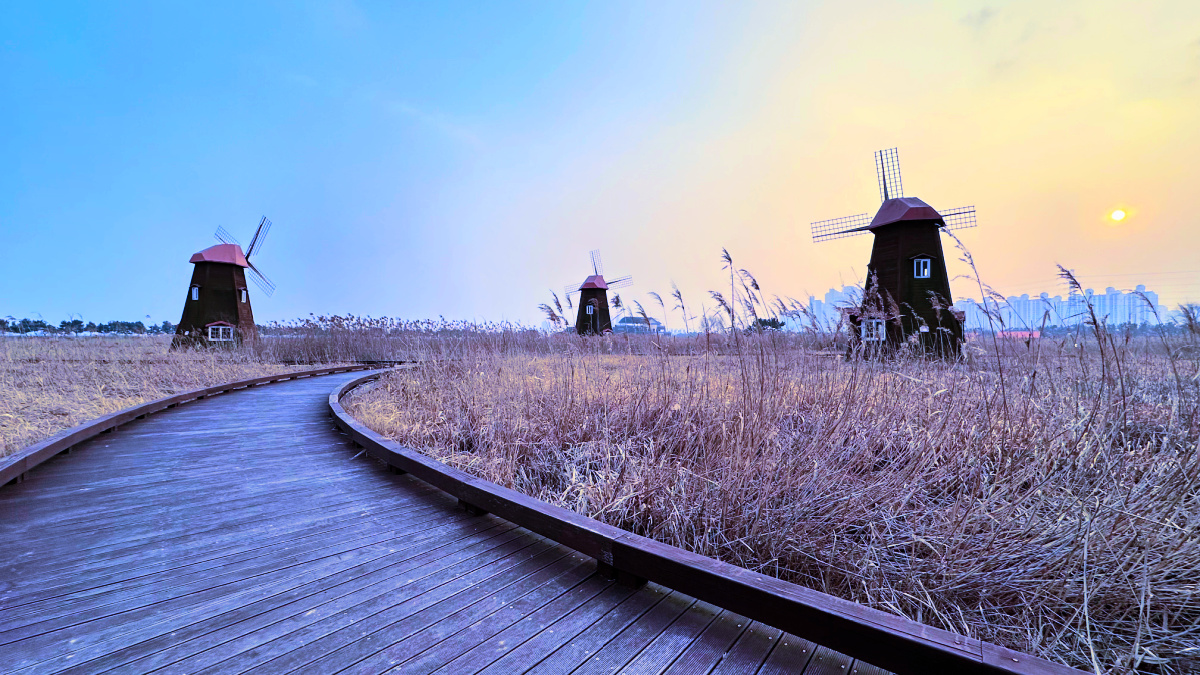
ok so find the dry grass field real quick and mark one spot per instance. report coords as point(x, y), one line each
point(48, 384)
point(1043, 496)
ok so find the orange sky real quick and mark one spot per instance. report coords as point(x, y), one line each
point(1045, 116)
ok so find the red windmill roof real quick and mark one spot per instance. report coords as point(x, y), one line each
point(230, 254)
point(904, 208)
point(594, 281)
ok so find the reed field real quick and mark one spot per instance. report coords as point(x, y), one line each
point(48, 384)
point(1042, 495)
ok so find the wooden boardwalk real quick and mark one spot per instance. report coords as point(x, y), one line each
point(241, 533)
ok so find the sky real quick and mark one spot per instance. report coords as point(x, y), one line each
point(461, 159)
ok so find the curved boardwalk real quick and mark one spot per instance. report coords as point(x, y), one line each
point(240, 533)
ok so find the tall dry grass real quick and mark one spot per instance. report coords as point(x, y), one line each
point(1040, 495)
point(48, 384)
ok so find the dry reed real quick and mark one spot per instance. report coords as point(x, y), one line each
point(1040, 495)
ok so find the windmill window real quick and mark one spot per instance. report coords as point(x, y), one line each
point(591, 309)
point(243, 294)
point(195, 292)
point(921, 268)
point(873, 331)
point(220, 333)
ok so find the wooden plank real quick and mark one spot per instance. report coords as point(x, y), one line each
point(568, 657)
point(860, 668)
point(434, 623)
point(790, 655)
point(749, 651)
point(825, 661)
point(708, 649)
point(179, 569)
point(630, 642)
point(494, 636)
point(123, 601)
point(45, 646)
point(39, 563)
point(559, 633)
point(297, 647)
point(187, 634)
point(673, 641)
point(24, 460)
point(180, 552)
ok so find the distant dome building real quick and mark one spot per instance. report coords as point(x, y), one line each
point(636, 324)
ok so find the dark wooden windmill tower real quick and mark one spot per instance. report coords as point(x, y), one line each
point(217, 309)
point(593, 317)
point(907, 295)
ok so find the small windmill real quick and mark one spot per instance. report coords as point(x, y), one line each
point(593, 317)
point(908, 289)
point(217, 309)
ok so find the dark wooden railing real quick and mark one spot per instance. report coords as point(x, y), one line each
point(13, 467)
point(886, 640)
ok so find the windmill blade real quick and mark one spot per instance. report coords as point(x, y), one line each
point(597, 264)
point(887, 169)
point(224, 237)
point(839, 228)
point(620, 282)
point(260, 235)
point(960, 218)
point(571, 288)
point(264, 284)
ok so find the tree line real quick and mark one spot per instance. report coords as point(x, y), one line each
point(72, 326)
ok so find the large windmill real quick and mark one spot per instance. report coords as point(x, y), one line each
point(908, 289)
point(217, 310)
point(593, 317)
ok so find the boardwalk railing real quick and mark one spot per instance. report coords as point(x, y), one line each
point(14, 466)
point(888, 641)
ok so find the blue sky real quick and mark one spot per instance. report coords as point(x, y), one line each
point(460, 159)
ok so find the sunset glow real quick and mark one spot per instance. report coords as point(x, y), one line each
point(1117, 215)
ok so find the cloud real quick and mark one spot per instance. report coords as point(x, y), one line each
point(979, 20)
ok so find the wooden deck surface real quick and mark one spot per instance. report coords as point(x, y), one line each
point(240, 533)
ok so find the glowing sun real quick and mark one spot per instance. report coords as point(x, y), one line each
point(1117, 215)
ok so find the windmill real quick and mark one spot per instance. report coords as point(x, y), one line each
point(217, 309)
point(593, 317)
point(908, 289)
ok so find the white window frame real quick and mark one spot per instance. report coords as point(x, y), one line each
point(195, 292)
point(921, 268)
point(244, 295)
point(220, 333)
point(873, 330)
point(591, 309)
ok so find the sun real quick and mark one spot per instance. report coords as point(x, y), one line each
point(1118, 215)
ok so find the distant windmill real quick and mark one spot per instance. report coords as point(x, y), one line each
point(908, 289)
point(593, 317)
point(217, 309)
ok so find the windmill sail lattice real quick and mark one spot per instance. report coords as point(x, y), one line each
point(887, 169)
point(840, 228)
point(960, 218)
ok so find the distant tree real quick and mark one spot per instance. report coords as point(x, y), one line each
point(761, 324)
point(72, 326)
point(32, 326)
